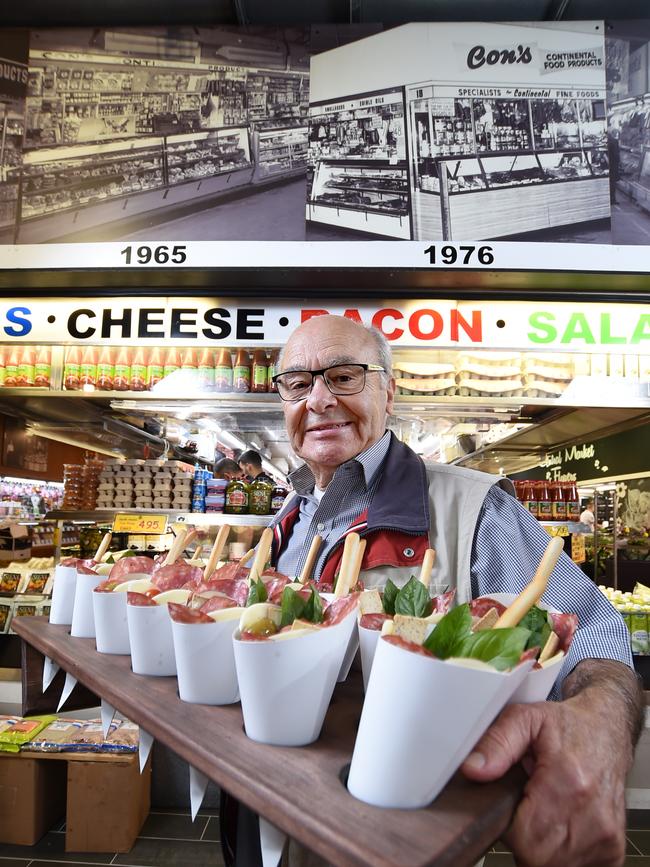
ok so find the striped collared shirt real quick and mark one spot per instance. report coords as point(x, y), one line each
point(348, 494)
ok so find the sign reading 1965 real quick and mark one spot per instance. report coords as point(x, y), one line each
point(459, 254)
point(161, 254)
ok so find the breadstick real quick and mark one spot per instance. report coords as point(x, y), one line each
point(311, 559)
point(196, 555)
point(217, 548)
point(348, 561)
point(532, 593)
point(550, 648)
point(261, 554)
point(427, 566)
point(184, 538)
point(103, 547)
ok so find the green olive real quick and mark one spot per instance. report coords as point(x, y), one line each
point(264, 626)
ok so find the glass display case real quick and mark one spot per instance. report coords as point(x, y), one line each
point(83, 175)
point(366, 188)
point(280, 151)
point(200, 155)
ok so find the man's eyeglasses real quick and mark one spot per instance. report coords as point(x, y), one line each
point(340, 379)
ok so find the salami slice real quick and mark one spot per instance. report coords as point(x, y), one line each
point(272, 574)
point(374, 621)
point(531, 653)
point(481, 606)
point(217, 603)
point(176, 575)
point(183, 614)
point(339, 609)
point(234, 589)
point(133, 598)
point(564, 626)
point(442, 604)
point(407, 645)
point(128, 565)
point(230, 572)
point(275, 589)
point(82, 569)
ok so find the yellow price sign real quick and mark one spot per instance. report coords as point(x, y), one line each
point(148, 525)
point(578, 553)
point(562, 530)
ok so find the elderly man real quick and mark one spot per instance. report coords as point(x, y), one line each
point(337, 389)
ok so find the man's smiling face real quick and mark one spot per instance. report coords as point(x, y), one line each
point(325, 429)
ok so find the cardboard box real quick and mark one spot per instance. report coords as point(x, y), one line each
point(32, 798)
point(108, 802)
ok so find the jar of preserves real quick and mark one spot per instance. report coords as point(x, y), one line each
point(237, 498)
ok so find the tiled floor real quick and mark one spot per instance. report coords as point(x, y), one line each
point(171, 839)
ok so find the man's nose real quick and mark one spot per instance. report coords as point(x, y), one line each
point(320, 397)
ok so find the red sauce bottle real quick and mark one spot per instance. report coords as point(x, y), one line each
point(242, 371)
point(259, 377)
point(544, 503)
point(529, 496)
point(558, 503)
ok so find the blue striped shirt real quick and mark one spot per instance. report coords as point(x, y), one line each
point(508, 545)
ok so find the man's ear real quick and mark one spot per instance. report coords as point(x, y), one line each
point(390, 395)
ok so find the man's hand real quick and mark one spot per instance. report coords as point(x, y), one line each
point(577, 753)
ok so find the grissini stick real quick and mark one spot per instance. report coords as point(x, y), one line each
point(217, 548)
point(532, 593)
point(308, 568)
point(354, 576)
point(261, 554)
point(103, 547)
point(197, 554)
point(246, 556)
point(427, 566)
point(179, 543)
point(347, 564)
point(550, 648)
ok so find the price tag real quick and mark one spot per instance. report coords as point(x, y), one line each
point(578, 554)
point(562, 530)
point(148, 525)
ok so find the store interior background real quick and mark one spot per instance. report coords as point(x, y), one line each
point(48, 431)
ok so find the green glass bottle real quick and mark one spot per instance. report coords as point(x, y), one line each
point(237, 498)
point(260, 497)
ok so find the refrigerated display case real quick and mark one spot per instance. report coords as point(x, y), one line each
point(206, 154)
point(280, 152)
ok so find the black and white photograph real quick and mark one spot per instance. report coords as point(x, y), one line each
point(461, 132)
point(184, 133)
point(628, 129)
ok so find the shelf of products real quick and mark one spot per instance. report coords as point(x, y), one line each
point(28, 498)
point(199, 519)
point(444, 127)
point(11, 135)
point(281, 150)
point(192, 157)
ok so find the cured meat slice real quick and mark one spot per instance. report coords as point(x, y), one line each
point(339, 609)
point(442, 603)
point(130, 565)
point(106, 586)
point(253, 636)
point(234, 589)
point(183, 614)
point(176, 575)
point(133, 598)
point(564, 626)
point(82, 569)
point(479, 607)
point(231, 571)
point(374, 621)
point(217, 603)
point(407, 645)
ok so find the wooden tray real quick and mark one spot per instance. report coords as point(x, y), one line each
point(298, 789)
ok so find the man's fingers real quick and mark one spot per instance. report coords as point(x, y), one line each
point(504, 744)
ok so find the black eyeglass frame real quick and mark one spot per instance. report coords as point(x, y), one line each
point(367, 368)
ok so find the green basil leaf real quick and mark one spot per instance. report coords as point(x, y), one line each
point(450, 631)
point(257, 593)
point(413, 599)
point(501, 648)
point(388, 597)
point(313, 610)
point(292, 606)
point(536, 621)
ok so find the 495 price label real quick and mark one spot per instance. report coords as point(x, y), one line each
point(147, 525)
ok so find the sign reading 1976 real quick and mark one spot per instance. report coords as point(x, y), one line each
point(459, 254)
point(162, 254)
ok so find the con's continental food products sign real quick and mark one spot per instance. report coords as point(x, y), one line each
point(589, 328)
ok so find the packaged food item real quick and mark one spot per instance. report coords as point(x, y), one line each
point(9, 582)
point(122, 373)
point(237, 498)
point(206, 376)
point(71, 369)
point(26, 371)
point(139, 370)
point(88, 369)
point(259, 378)
point(155, 367)
point(242, 371)
point(259, 494)
point(223, 375)
point(22, 731)
point(278, 496)
point(42, 368)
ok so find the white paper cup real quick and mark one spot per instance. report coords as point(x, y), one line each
point(111, 629)
point(83, 618)
point(150, 637)
point(63, 591)
point(353, 643)
point(540, 681)
point(205, 662)
point(436, 711)
point(368, 639)
point(286, 686)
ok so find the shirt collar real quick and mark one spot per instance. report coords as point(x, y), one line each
point(370, 461)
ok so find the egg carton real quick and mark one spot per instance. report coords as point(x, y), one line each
point(482, 387)
point(545, 388)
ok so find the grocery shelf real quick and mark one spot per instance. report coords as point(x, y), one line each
point(198, 519)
